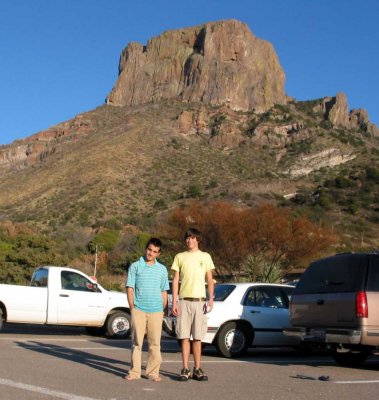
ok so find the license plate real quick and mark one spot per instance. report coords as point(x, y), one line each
point(318, 333)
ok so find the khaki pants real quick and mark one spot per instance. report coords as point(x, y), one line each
point(151, 324)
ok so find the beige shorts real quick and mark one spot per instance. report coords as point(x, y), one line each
point(192, 321)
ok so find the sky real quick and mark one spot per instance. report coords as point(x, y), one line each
point(59, 58)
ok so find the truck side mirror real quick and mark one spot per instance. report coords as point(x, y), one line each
point(92, 286)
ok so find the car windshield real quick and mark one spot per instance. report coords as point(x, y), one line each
point(222, 291)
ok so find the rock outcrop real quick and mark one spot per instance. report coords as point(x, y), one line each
point(313, 162)
point(335, 110)
point(220, 63)
point(359, 119)
point(35, 148)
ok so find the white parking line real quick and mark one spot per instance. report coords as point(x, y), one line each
point(69, 348)
point(349, 382)
point(42, 390)
point(44, 339)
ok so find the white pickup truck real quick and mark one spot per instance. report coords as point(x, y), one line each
point(65, 296)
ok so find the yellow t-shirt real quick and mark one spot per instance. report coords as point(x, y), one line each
point(192, 268)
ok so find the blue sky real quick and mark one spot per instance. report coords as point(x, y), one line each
point(59, 58)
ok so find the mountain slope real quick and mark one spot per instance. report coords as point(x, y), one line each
point(134, 161)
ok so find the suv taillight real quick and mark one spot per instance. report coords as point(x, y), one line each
point(361, 305)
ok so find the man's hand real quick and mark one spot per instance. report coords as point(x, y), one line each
point(175, 309)
point(208, 306)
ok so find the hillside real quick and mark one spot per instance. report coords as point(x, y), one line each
point(132, 163)
point(138, 156)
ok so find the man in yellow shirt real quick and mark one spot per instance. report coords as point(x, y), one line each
point(192, 268)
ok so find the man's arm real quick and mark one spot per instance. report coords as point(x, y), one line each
point(175, 290)
point(164, 299)
point(210, 290)
point(130, 296)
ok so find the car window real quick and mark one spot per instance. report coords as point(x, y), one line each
point(39, 278)
point(287, 292)
point(221, 292)
point(337, 274)
point(265, 296)
point(73, 281)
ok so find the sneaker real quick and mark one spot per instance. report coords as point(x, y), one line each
point(185, 374)
point(199, 375)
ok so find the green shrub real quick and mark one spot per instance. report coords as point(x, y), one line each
point(194, 191)
point(353, 207)
point(325, 124)
point(341, 182)
point(105, 240)
point(113, 223)
point(160, 204)
point(213, 183)
point(323, 199)
point(372, 174)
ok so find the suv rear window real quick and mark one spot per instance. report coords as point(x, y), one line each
point(337, 274)
point(373, 276)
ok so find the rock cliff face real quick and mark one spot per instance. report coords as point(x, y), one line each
point(215, 63)
point(41, 145)
point(220, 63)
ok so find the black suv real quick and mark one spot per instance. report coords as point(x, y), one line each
point(336, 302)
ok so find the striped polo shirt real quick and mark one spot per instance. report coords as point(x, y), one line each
point(148, 282)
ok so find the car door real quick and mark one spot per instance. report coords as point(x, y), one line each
point(266, 308)
point(79, 302)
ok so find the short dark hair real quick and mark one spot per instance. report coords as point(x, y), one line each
point(155, 242)
point(193, 232)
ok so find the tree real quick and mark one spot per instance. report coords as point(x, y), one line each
point(21, 253)
point(106, 240)
point(231, 234)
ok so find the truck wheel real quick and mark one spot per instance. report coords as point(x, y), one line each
point(233, 340)
point(117, 325)
point(1, 320)
point(350, 358)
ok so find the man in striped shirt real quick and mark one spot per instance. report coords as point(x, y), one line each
point(146, 289)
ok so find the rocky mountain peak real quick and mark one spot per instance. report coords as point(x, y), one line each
point(218, 63)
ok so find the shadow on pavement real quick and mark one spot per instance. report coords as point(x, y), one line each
point(101, 363)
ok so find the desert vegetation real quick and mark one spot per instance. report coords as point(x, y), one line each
point(263, 243)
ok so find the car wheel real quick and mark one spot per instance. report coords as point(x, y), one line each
point(350, 358)
point(117, 325)
point(233, 340)
point(1, 320)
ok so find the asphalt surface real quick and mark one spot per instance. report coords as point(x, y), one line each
point(65, 363)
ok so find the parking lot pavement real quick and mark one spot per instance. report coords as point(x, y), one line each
point(46, 364)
